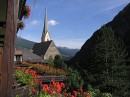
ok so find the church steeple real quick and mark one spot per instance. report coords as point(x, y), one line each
point(45, 33)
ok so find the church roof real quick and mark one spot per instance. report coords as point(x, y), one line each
point(41, 48)
point(45, 29)
point(28, 55)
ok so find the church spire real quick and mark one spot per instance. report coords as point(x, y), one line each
point(45, 33)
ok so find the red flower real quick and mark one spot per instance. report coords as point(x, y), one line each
point(62, 85)
point(33, 90)
point(34, 76)
point(86, 94)
point(81, 89)
point(32, 82)
point(65, 94)
point(27, 11)
point(50, 91)
point(45, 87)
point(21, 25)
point(75, 93)
point(40, 82)
point(72, 95)
point(18, 68)
point(26, 72)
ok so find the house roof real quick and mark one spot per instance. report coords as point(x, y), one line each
point(41, 48)
point(18, 52)
point(28, 55)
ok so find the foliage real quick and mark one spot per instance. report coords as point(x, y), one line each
point(51, 61)
point(21, 25)
point(59, 63)
point(97, 93)
point(107, 69)
point(84, 57)
point(109, 58)
point(44, 69)
point(27, 11)
point(74, 80)
point(26, 76)
point(54, 89)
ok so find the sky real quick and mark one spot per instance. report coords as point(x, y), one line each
point(71, 22)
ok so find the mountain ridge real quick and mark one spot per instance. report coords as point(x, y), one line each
point(121, 26)
point(66, 53)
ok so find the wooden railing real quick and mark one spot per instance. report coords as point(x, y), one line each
point(49, 78)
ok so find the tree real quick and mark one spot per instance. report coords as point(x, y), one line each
point(108, 68)
point(51, 61)
point(74, 80)
point(59, 63)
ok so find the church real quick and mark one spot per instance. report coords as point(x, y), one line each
point(47, 47)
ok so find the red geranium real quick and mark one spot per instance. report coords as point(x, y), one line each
point(21, 25)
point(27, 11)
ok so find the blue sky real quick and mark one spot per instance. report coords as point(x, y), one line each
point(71, 22)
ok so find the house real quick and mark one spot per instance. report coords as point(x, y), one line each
point(18, 56)
point(47, 47)
point(23, 54)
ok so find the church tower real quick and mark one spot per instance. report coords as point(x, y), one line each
point(45, 34)
point(46, 48)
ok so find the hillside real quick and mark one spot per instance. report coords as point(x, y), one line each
point(121, 26)
point(103, 60)
point(64, 51)
point(24, 43)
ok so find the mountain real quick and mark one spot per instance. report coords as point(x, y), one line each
point(68, 51)
point(64, 51)
point(102, 61)
point(121, 26)
point(24, 43)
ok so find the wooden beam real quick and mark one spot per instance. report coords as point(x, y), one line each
point(8, 50)
point(1, 56)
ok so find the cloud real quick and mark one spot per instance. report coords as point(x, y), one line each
point(116, 4)
point(35, 22)
point(52, 22)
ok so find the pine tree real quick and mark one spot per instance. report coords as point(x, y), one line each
point(109, 70)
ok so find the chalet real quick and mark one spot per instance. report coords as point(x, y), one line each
point(47, 47)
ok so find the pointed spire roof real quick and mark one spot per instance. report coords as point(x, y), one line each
point(45, 30)
point(45, 33)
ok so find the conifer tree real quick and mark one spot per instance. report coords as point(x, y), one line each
point(109, 70)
